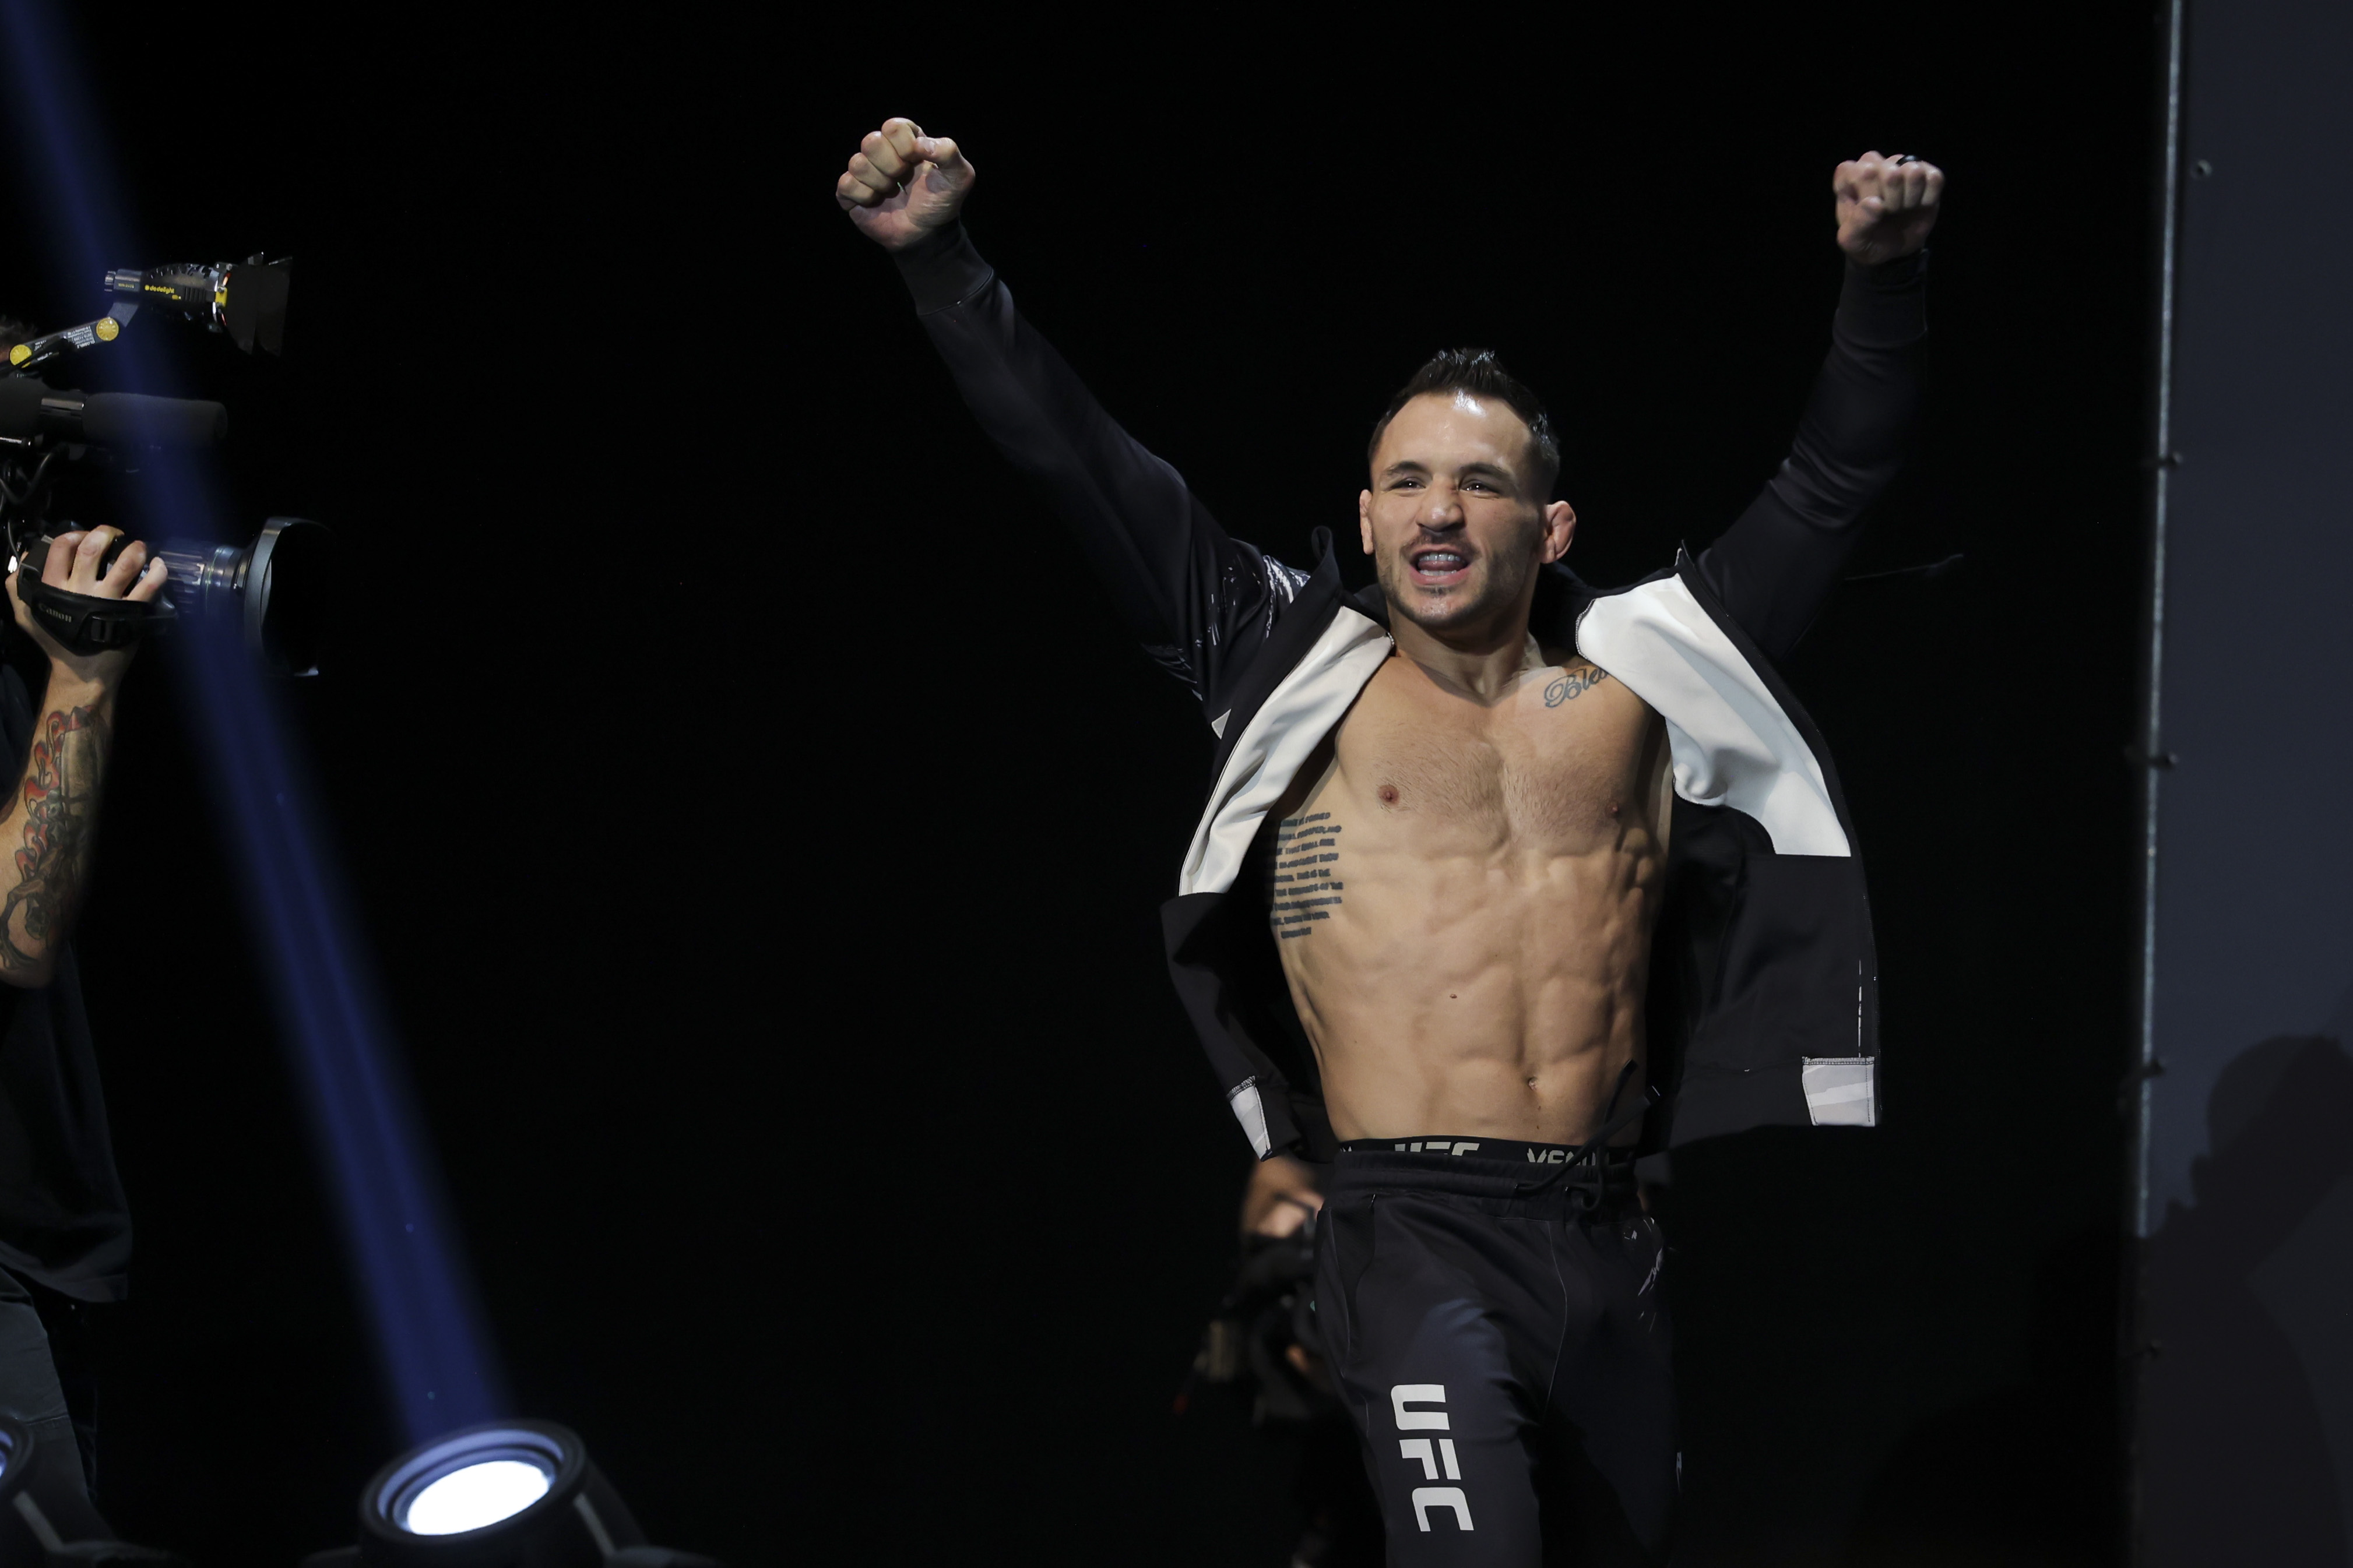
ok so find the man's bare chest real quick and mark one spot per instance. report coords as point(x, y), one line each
point(1561, 762)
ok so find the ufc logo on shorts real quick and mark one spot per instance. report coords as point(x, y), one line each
point(1432, 1454)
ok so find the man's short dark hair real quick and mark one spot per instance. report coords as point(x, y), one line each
point(1479, 372)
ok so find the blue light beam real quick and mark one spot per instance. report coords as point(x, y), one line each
point(417, 1299)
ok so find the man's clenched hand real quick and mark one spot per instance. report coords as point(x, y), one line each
point(1885, 206)
point(902, 184)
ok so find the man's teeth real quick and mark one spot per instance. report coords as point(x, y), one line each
point(1438, 560)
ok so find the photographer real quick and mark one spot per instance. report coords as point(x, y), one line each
point(1264, 1347)
point(65, 1233)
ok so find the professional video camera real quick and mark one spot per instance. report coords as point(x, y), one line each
point(270, 590)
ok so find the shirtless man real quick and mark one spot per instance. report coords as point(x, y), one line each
point(1549, 874)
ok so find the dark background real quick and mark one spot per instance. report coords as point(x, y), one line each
point(759, 826)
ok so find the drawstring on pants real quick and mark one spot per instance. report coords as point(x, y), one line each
point(1587, 1158)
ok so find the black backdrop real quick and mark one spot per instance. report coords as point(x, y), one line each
point(759, 825)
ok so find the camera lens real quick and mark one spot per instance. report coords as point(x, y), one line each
point(275, 591)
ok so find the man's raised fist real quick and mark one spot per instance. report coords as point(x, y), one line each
point(1886, 206)
point(902, 184)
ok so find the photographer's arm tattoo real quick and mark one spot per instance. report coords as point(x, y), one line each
point(59, 799)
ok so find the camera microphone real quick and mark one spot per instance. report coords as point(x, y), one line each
point(246, 299)
point(28, 409)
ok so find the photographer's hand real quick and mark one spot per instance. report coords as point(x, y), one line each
point(41, 883)
point(74, 566)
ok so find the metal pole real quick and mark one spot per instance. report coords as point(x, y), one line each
point(2154, 763)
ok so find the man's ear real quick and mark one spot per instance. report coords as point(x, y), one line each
point(1559, 528)
point(1365, 519)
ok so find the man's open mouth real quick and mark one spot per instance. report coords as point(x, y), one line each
point(1438, 565)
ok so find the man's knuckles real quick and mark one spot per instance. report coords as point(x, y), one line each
point(883, 157)
point(873, 177)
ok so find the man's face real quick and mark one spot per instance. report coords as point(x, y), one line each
point(1452, 521)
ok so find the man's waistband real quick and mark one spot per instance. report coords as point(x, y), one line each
point(1535, 1178)
point(1506, 1148)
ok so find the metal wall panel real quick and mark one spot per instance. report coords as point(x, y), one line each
point(2245, 1181)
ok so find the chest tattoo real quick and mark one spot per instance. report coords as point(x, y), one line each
point(1571, 684)
point(1305, 869)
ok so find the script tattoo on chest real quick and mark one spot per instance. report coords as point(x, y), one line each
point(1305, 889)
point(1573, 683)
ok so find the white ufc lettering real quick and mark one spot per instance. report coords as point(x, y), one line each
point(1419, 1449)
point(1430, 1453)
point(1406, 1394)
point(1428, 1497)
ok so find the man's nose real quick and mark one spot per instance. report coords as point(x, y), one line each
point(1442, 509)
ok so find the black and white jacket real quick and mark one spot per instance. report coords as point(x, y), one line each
point(1764, 988)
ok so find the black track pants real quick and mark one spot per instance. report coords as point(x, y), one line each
point(1504, 1355)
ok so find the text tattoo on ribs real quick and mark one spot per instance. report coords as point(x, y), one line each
point(60, 789)
point(1306, 867)
point(1571, 684)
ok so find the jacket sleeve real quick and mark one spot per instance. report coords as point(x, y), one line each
point(1773, 568)
point(1200, 600)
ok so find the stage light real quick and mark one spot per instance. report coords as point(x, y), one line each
point(45, 1517)
point(477, 1479)
point(505, 1492)
point(484, 1492)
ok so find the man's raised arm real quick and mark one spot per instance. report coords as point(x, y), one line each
point(1197, 598)
point(1774, 566)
